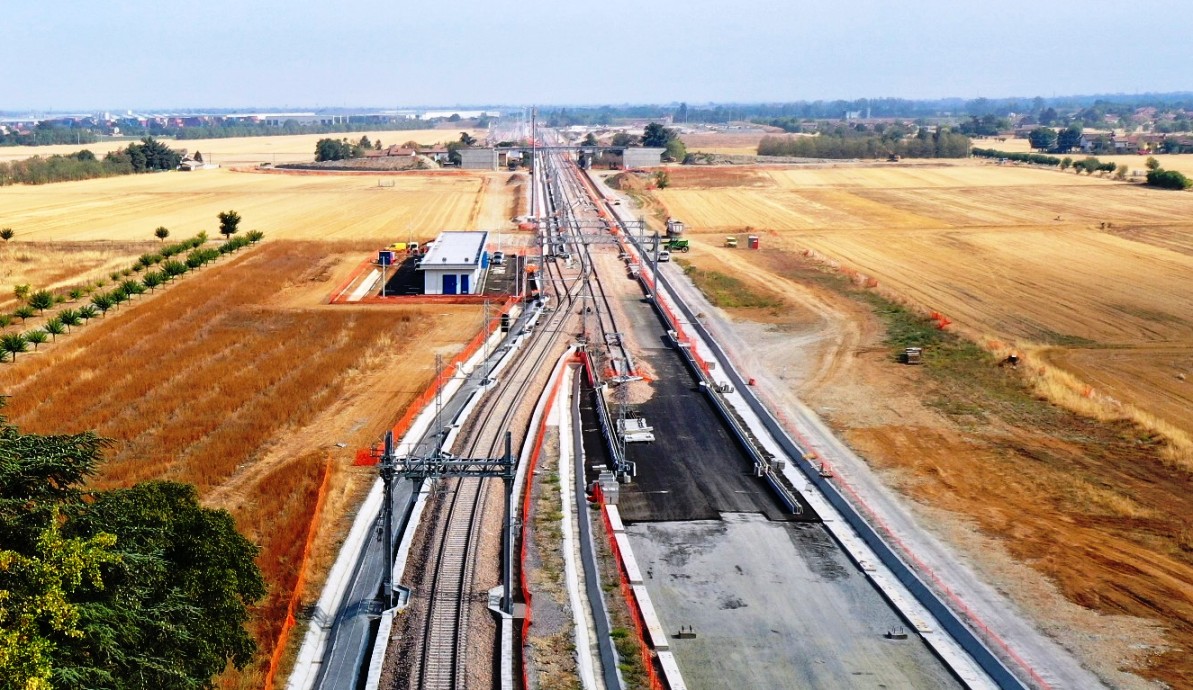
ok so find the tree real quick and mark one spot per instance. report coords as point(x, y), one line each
point(365, 143)
point(229, 223)
point(589, 140)
point(173, 607)
point(1168, 179)
point(134, 588)
point(36, 337)
point(41, 300)
point(7, 234)
point(69, 318)
point(24, 312)
point(657, 136)
point(13, 344)
point(88, 312)
point(467, 139)
point(21, 292)
point(103, 303)
point(161, 233)
point(1042, 138)
point(1065, 163)
point(1068, 139)
point(1152, 163)
point(54, 327)
point(662, 179)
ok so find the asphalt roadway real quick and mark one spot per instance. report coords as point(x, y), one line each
point(350, 641)
point(694, 469)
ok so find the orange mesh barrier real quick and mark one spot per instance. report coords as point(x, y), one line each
point(279, 649)
point(540, 432)
point(631, 599)
point(418, 404)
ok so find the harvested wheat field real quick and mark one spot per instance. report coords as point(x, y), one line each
point(238, 380)
point(725, 143)
point(298, 148)
point(1078, 511)
point(58, 265)
point(283, 206)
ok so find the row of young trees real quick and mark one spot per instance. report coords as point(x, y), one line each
point(140, 587)
point(149, 155)
point(943, 143)
point(170, 262)
point(1088, 165)
point(1166, 179)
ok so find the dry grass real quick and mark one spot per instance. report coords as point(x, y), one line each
point(250, 150)
point(229, 381)
point(57, 266)
point(982, 245)
point(317, 207)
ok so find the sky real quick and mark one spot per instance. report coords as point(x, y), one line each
point(135, 54)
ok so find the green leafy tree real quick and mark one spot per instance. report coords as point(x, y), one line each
point(662, 179)
point(161, 233)
point(88, 312)
point(1066, 163)
point(54, 327)
point(41, 300)
point(7, 234)
point(1168, 179)
point(173, 269)
point(254, 236)
point(173, 607)
point(1068, 139)
point(132, 287)
point(1042, 138)
point(1152, 163)
point(5, 319)
point(152, 280)
point(21, 292)
point(24, 312)
point(229, 223)
point(589, 140)
point(13, 344)
point(69, 318)
point(36, 337)
point(467, 139)
point(103, 303)
point(657, 136)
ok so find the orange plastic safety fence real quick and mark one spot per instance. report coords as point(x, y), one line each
point(532, 462)
point(279, 649)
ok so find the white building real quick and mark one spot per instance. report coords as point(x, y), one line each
point(453, 263)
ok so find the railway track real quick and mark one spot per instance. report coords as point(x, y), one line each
point(443, 658)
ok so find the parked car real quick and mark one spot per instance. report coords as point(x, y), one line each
point(498, 259)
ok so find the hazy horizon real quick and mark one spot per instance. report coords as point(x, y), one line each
point(367, 53)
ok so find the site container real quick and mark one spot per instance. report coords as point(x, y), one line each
point(753, 242)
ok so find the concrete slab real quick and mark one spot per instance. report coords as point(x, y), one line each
point(794, 614)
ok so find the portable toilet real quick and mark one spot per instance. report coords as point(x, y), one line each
point(753, 242)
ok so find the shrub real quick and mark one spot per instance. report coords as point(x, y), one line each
point(1168, 179)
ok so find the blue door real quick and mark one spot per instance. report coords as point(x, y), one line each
point(449, 283)
point(464, 285)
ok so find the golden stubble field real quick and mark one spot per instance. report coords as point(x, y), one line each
point(1012, 254)
point(298, 148)
point(283, 205)
point(1086, 277)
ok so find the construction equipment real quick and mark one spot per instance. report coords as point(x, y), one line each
point(731, 241)
point(675, 245)
point(675, 228)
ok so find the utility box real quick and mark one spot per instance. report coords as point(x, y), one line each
point(913, 355)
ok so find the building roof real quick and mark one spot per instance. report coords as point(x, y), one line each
point(455, 250)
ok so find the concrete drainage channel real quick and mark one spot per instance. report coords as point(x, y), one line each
point(977, 665)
